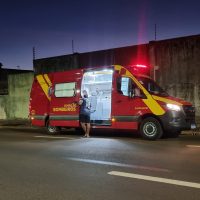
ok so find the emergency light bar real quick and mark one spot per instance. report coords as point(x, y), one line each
point(139, 69)
point(140, 66)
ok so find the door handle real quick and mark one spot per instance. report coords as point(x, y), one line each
point(118, 101)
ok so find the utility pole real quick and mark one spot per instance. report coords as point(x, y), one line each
point(155, 32)
point(73, 46)
point(156, 67)
point(33, 53)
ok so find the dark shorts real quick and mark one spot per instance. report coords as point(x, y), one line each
point(84, 118)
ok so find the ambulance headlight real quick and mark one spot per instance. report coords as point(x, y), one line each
point(173, 107)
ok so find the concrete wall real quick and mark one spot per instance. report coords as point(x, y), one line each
point(3, 107)
point(58, 63)
point(122, 56)
point(15, 105)
point(179, 67)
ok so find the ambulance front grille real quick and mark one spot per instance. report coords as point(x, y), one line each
point(189, 112)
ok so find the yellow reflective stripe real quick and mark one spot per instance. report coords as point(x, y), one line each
point(154, 106)
point(151, 103)
point(47, 80)
point(166, 100)
point(43, 85)
point(140, 86)
point(118, 67)
point(128, 73)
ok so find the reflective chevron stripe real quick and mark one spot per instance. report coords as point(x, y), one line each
point(45, 83)
point(151, 103)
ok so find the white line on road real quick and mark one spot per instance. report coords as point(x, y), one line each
point(156, 179)
point(118, 164)
point(193, 146)
point(52, 137)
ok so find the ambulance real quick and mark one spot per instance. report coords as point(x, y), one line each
point(120, 98)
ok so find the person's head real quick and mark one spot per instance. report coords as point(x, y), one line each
point(85, 94)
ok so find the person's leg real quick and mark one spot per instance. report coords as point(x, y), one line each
point(87, 129)
point(84, 127)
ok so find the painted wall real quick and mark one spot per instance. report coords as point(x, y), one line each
point(15, 104)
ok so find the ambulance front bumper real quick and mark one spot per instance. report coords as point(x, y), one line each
point(179, 120)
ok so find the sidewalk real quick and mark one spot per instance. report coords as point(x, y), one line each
point(15, 122)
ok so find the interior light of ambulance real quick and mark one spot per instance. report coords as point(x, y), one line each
point(108, 71)
point(89, 73)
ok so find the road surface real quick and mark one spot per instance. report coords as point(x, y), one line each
point(34, 165)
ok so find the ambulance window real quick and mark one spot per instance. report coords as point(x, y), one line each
point(65, 89)
point(123, 85)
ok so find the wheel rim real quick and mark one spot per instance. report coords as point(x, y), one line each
point(150, 129)
point(52, 129)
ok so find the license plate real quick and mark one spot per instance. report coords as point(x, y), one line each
point(193, 126)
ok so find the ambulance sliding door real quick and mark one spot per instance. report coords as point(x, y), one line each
point(98, 85)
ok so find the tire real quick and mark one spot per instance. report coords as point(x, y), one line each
point(151, 129)
point(52, 130)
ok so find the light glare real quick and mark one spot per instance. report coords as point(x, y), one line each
point(173, 107)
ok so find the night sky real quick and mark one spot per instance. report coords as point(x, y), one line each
point(51, 26)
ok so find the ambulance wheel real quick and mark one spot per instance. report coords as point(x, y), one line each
point(52, 130)
point(151, 129)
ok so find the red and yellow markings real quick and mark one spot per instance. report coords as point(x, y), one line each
point(67, 107)
point(151, 103)
point(166, 100)
point(45, 83)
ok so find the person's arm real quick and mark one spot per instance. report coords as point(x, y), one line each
point(80, 102)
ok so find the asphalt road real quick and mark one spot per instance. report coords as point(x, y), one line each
point(36, 166)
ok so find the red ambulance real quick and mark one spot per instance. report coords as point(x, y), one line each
point(120, 97)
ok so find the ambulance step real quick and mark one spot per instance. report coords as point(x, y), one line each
point(101, 122)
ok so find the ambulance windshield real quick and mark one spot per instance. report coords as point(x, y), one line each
point(151, 86)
